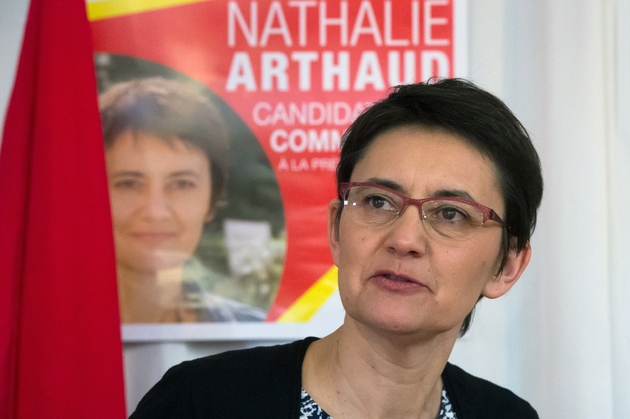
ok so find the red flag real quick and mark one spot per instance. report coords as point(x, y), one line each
point(60, 345)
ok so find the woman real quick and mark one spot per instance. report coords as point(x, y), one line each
point(166, 152)
point(439, 185)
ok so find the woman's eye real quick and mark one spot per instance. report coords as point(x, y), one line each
point(184, 184)
point(131, 184)
point(379, 202)
point(451, 214)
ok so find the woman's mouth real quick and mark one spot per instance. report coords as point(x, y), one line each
point(396, 278)
point(153, 238)
point(397, 282)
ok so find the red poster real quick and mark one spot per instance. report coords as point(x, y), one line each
point(286, 78)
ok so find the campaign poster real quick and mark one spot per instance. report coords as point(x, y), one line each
point(222, 123)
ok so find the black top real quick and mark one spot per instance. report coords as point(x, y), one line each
point(266, 382)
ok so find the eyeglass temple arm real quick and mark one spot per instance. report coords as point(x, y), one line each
point(495, 217)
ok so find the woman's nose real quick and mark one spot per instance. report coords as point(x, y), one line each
point(407, 235)
point(156, 203)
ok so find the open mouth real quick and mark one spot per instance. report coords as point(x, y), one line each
point(397, 278)
point(398, 283)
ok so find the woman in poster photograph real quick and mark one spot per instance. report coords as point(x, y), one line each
point(167, 159)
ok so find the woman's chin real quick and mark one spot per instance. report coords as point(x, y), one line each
point(155, 263)
point(403, 326)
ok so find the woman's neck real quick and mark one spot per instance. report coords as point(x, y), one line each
point(151, 297)
point(358, 373)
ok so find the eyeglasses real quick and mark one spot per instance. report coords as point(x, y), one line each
point(454, 218)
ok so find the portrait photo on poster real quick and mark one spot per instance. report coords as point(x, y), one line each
point(198, 218)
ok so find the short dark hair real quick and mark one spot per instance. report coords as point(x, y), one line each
point(460, 107)
point(169, 109)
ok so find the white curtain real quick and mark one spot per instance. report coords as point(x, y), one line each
point(561, 338)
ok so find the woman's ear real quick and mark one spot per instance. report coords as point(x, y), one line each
point(212, 212)
point(515, 264)
point(333, 229)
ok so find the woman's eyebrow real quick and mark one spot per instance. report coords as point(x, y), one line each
point(126, 173)
point(454, 193)
point(387, 183)
point(184, 173)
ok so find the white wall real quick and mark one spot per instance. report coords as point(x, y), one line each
point(12, 18)
point(561, 338)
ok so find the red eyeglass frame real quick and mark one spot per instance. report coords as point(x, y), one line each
point(488, 213)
